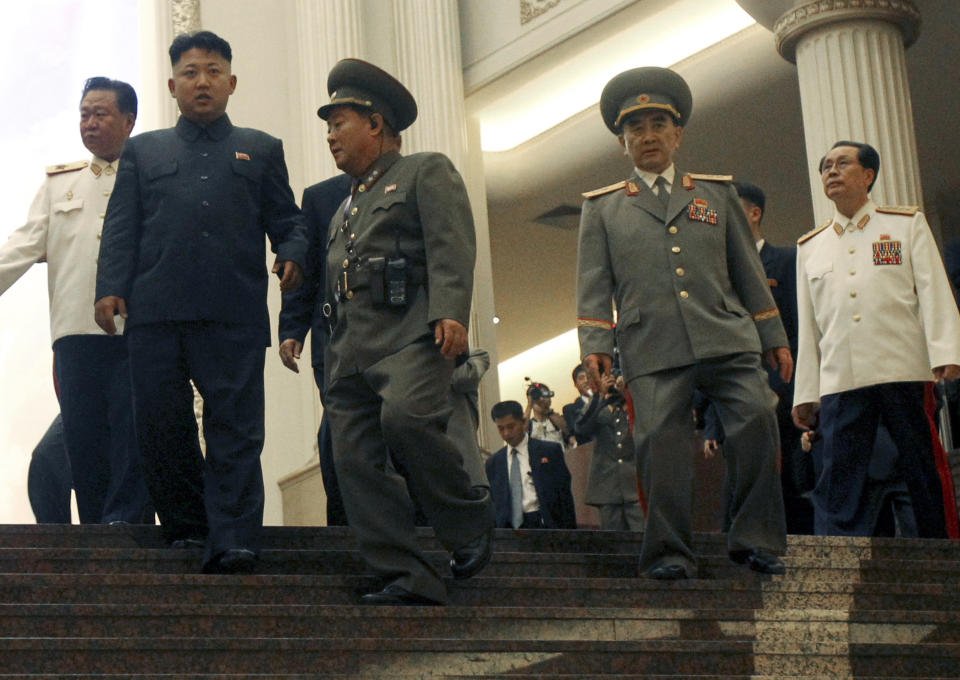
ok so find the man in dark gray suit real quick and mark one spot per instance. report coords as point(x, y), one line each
point(400, 258)
point(675, 254)
point(183, 259)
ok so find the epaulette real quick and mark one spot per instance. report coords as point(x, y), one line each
point(813, 232)
point(908, 210)
point(66, 167)
point(604, 190)
point(710, 178)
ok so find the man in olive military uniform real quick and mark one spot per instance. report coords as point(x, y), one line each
point(674, 252)
point(400, 258)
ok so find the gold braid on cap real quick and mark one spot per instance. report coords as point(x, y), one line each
point(650, 105)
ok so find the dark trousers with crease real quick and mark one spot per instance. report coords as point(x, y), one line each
point(224, 490)
point(93, 372)
point(848, 425)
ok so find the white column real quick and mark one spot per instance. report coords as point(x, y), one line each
point(427, 43)
point(853, 85)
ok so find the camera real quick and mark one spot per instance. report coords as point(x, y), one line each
point(538, 391)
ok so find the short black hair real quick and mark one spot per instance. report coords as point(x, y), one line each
point(752, 193)
point(126, 96)
point(201, 40)
point(507, 408)
point(867, 156)
point(577, 370)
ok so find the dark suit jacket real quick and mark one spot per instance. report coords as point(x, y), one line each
point(551, 478)
point(300, 308)
point(183, 234)
point(571, 414)
point(780, 266)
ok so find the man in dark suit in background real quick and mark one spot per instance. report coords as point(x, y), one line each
point(571, 412)
point(529, 478)
point(183, 259)
point(302, 311)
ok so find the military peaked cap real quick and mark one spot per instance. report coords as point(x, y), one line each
point(643, 89)
point(359, 83)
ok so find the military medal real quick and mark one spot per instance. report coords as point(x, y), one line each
point(887, 252)
point(700, 212)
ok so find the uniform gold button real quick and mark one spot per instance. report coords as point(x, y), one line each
point(346, 263)
point(684, 294)
point(619, 460)
point(673, 230)
point(349, 294)
point(353, 236)
point(362, 188)
point(853, 293)
point(675, 249)
point(680, 271)
point(619, 446)
point(353, 211)
point(856, 317)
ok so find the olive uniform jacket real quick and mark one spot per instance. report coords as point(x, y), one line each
point(688, 285)
point(415, 206)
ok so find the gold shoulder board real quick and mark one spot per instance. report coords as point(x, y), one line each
point(908, 210)
point(604, 190)
point(66, 167)
point(710, 178)
point(813, 232)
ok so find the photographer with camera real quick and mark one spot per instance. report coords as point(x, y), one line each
point(612, 480)
point(542, 421)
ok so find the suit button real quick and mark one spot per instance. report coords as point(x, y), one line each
point(856, 317)
point(346, 263)
point(675, 249)
point(205, 204)
point(204, 178)
point(673, 230)
point(204, 154)
point(349, 294)
point(680, 271)
point(684, 294)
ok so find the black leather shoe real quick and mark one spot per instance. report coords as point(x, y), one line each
point(759, 560)
point(182, 543)
point(668, 572)
point(233, 561)
point(397, 596)
point(474, 556)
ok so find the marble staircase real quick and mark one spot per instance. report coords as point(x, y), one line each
point(95, 601)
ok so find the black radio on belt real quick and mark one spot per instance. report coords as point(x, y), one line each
point(388, 281)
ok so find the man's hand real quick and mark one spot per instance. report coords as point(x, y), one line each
point(946, 372)
point(805, 415)
point(289, 353)
point(779, 357)
point(292, 274)
point(105, 309)
point(451, 336)
point(710, 448)
point(597, 365)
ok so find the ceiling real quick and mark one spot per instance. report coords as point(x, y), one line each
point(746, 122)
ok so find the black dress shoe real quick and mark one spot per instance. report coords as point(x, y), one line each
point(233, 561)
point(668, 572)
point(759, 560)
point(397, 596)
point(474, 556)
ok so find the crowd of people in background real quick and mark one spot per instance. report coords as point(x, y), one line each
point(809, 369)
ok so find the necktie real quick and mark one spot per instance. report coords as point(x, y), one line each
point(516, 490)
point(662, 193)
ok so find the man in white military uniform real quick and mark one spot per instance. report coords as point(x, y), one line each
point(63, 227)
point(876, 322)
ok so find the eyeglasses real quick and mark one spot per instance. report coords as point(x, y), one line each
point(840, 165)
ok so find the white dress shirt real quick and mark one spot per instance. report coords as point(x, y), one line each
point(650, 178)
point(530, 501)
point(64, 226)
point(864, 322)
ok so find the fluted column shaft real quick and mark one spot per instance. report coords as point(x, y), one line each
point(854, 85)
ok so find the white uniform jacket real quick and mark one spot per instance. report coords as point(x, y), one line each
point(64, 226)
point(874, 304)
